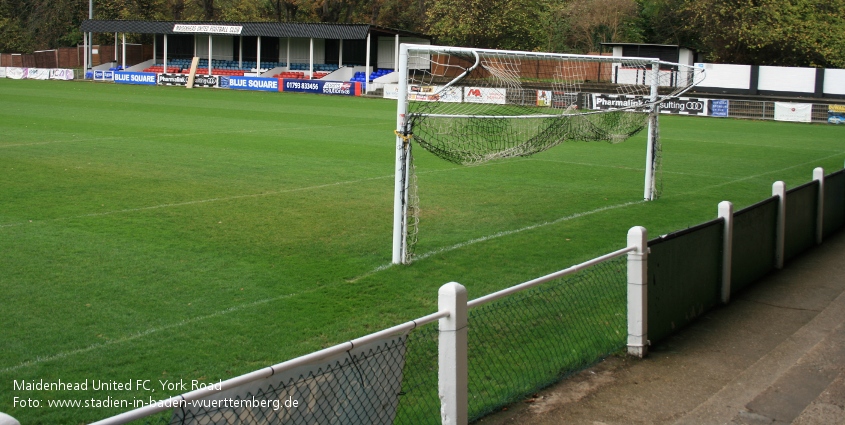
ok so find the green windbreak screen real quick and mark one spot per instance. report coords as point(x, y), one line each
point(834, 202)
point(753, 249)
point(801, 210)
point(684, 277)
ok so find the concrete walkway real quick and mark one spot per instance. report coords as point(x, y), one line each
point(774, 355)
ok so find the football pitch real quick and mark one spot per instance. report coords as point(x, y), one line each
point(158, 233)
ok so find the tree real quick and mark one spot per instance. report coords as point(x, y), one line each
point(240, 11)
point(399, 14)
point(592, 22)
point(14, 35)
point(176, 9)
point(771, 32)
point(502, 24)
point(55, 24)
point(281, 10)
point(664, 22)
point(209, 12)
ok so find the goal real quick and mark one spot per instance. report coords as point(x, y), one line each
point(469, 106)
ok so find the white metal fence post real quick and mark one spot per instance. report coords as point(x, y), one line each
point(452, 360)
point(818, 175)
point(726, 211)
point(638, 292)
point(779, 190)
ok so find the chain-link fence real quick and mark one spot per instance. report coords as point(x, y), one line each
point(419, 402)
point(765, 110)
point(517, 344)
point(524, 342)
point(532, 339)
point(741, 108)
point(358, 387)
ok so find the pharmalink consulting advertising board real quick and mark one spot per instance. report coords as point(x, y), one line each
point(678, 106)
point(207, 81)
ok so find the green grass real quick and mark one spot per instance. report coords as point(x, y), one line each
point(163, 233)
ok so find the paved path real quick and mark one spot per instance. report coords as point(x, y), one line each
point(774, 355)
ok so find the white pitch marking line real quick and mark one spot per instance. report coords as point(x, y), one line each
point(233, 309)
point(619, 167)
point(204, 201)
point(223, 199)
point(141, 334)
point(755, 145)
point(499, 235)
point(574, 216)
point(374, 271)
point(756, 176)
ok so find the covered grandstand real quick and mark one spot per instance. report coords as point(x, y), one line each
point(340, 52)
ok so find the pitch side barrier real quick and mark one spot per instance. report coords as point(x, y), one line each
point(693, 270)
point(341, 88)
point(16, 73)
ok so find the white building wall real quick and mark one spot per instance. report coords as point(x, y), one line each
point(779, 78)
point(834, 81)
point(222, 47)
point(300, 50)
point(686, 57)
point(726, 76)
point(387, 49)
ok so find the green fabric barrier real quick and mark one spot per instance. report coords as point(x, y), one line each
point(801, 211)
point(834, 202)
point(753, 248)
point(684, 277)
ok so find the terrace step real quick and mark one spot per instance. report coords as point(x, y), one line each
point(803, 377)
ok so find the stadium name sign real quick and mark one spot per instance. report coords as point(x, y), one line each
point(207, 29)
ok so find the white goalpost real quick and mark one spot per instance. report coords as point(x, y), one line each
point(470, 106)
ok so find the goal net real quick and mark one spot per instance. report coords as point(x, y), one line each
point(470, 106)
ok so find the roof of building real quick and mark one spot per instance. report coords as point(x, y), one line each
point(263, 29)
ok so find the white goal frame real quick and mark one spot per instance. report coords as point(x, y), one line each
point(403, 166)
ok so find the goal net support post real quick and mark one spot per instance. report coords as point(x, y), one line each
point(400, 190)
point(650, 190)
point(469, 106)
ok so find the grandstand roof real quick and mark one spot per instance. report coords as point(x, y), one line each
point(264, 29)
